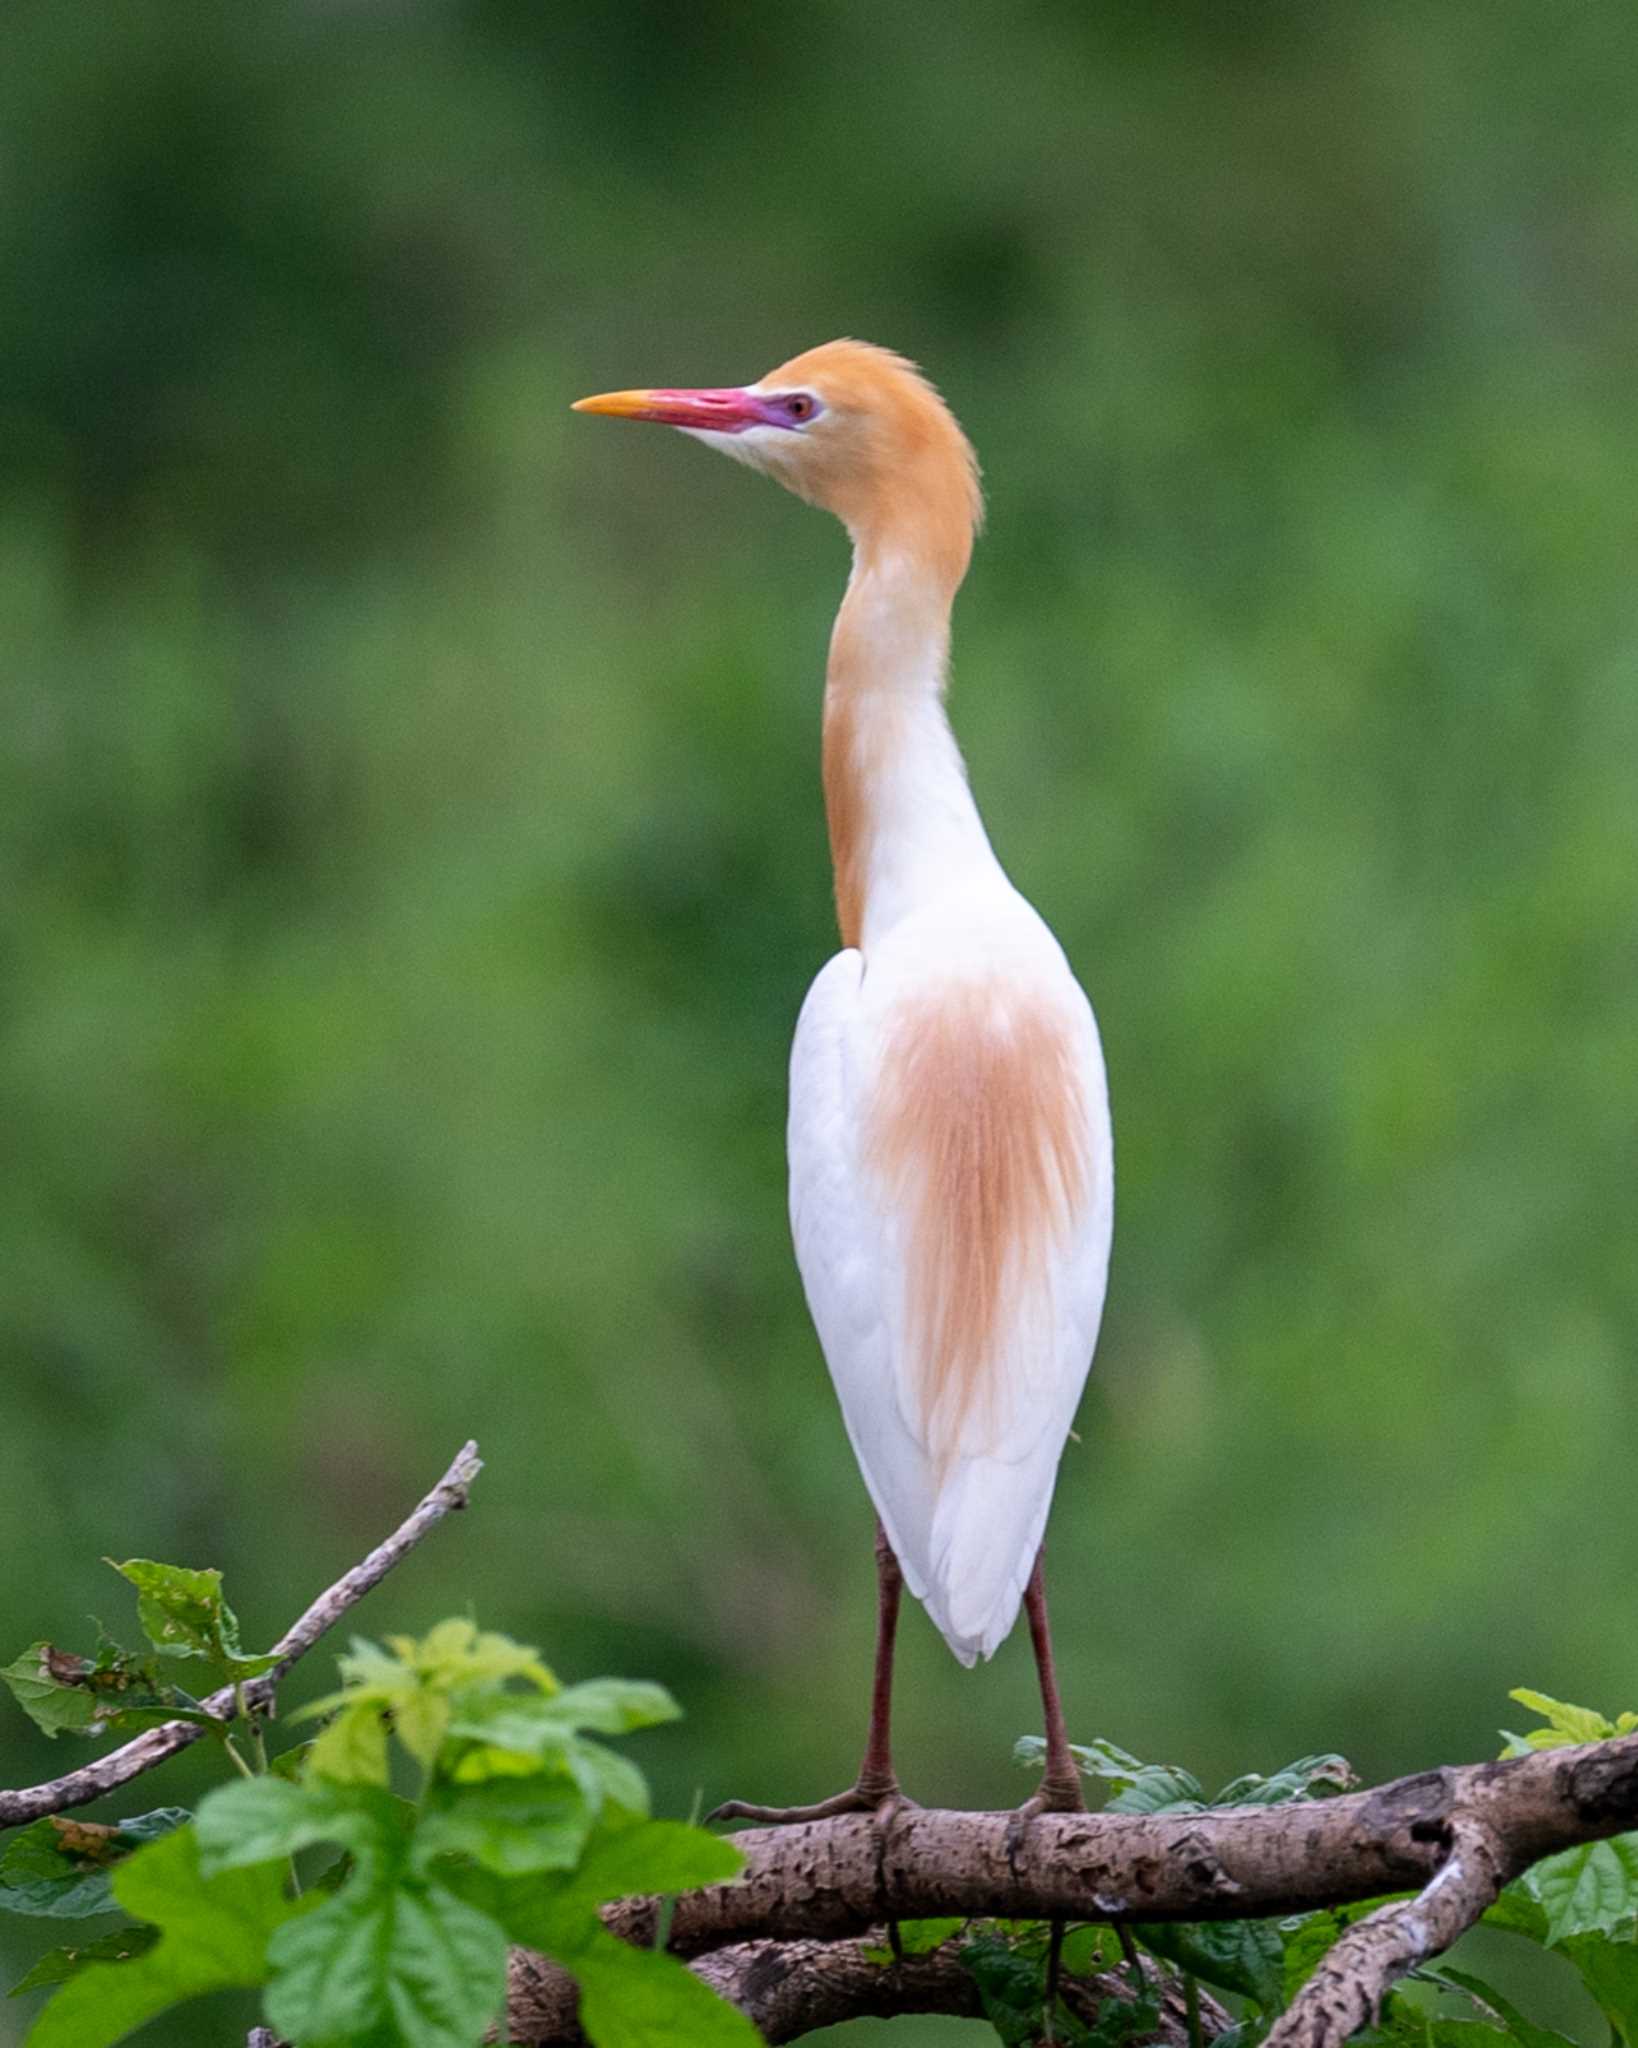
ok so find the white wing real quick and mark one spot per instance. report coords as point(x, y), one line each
point(962, 1485)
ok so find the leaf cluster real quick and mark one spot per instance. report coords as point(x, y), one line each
point(191, 1632)
point(463, 1799)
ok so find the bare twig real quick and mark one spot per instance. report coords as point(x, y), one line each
point(154, 1745)
point(1346, 1992)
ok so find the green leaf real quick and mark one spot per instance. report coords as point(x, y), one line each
point(1310, 1777)
point(617, 1779)
point(257, 1820)
point(351, 1748)
point(613, 1706)
point(417, 1681)
point(1609, 1969)
point(653, 1856)
point(1087, 1949)
point(57, 1965)
point(508, 1824)
point(45, 1682)
point(630, 1997)
point(1139, 1787)
point(389, 1960)
point(183, 1614)
point(112, 1692)
point(1518, 1912)
point(506, 1729)
point(214, 1937)
point(62, 1869)
point(1244, 1956)
point(1011, 1980)
point(1497, 2006)
point(920, 1938)
point(1567, 1724)
point(638, 1998)
point(291, 1764)
point(1589, 1889)
point(1448, 2033)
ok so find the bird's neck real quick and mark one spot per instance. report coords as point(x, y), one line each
point(903, 824)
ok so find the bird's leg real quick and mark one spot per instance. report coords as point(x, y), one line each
point(1060, 1788)
point(876, 1789)
point(1054, 1978)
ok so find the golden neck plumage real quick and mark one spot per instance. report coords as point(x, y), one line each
point(882, 683)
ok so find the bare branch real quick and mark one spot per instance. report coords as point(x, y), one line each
point(154, 1745)
point(1346, 1992)
point(790, 1988)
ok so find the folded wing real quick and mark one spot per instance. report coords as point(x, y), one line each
point(950, 1201)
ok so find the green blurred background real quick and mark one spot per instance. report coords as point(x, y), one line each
point(412, 861)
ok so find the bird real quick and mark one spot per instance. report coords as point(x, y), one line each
point(949, 1142)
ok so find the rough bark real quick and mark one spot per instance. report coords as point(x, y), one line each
point(790, 1988)
point(783, 1939)
point(832, 1878)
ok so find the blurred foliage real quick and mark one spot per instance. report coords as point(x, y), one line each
point(411, 858)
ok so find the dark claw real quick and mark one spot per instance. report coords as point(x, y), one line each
point(882, 1805)
point(1048, 1798)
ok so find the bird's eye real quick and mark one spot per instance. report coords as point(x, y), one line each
point(799, 406)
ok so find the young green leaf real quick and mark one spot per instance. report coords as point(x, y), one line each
point(509, 1730)
point(1565, 1724)
point(351, 1748)
point(418, 1683)
point(258, 1820)
point(213, 1937)
point(613, 1706)
point(508, 1824)
point(62, 1869)
point(183, 1614)
point(57, 1965)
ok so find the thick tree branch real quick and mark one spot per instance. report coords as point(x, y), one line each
point(790, 1988)
point(154, 1745)
point(1345, 1993)
point(831, 1878)
point(783, 1940)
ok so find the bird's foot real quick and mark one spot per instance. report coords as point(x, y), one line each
point(1050, 1796)
point(882, 1800)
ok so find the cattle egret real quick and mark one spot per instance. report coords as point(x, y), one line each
point(951, 1175)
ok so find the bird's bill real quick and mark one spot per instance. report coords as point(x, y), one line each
point(715, 412)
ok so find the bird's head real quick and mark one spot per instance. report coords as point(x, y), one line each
point(850, 427)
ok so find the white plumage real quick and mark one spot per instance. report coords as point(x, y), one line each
point(951, 1176)
point(966, 1535)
